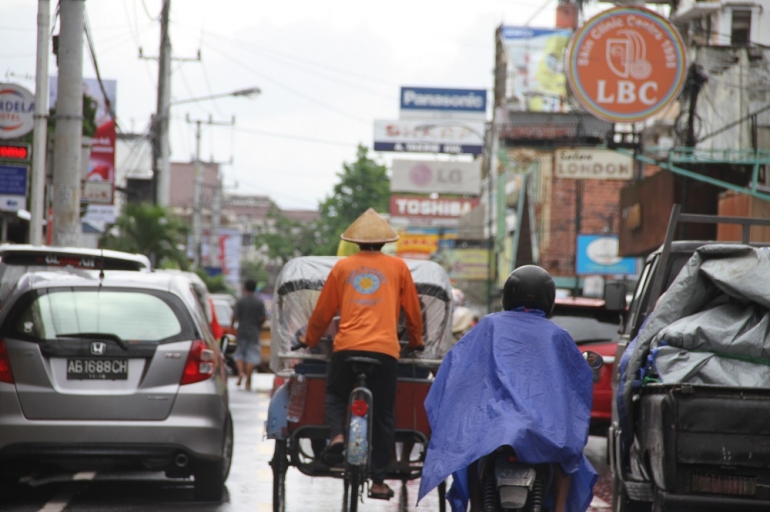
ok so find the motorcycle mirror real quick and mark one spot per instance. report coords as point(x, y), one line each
point(594, 360)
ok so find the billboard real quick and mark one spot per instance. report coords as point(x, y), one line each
point(228, 253)
point(433, 103)
point(439, 211)
point(626, 64)
point(13, 187)
point(429, 136)
point(99, 173)
point(421, 243)
point(425, 177)
point(592, 164)
point(17, 111)
point(467, 264)
point(535, 81)
point(598, 254)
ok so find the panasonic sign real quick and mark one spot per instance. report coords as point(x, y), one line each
point(431, 103)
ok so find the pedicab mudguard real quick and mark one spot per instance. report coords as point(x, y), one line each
point(277, 424)
point(706, 441)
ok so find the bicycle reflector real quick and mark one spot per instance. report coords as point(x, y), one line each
point(359, 407)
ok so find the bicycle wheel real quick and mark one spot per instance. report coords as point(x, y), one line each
point(280, 464)
point(354, 480)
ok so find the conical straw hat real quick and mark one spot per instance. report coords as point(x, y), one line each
point(370, 228)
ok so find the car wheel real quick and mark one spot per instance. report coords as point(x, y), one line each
point(210, 476)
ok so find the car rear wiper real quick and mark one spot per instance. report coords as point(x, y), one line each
point(96, 336)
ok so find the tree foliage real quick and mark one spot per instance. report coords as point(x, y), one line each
point(150, 230)
point(363, 184)
point(284, 238)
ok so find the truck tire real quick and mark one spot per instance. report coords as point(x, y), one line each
point(622, 503)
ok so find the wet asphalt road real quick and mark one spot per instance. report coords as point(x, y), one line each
point(249, 487)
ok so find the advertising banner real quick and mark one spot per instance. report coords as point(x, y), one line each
point(13, 187)
point(592, 164)
point(422, 243)
point(467, 264)
point(626, 64)
point(101, 165)
point(425, 177)
point(536, 81)
point(429, 136)
point(229, 253)
point(433, 103)
point(17, 111)
point(598, 254)
point(425, 207)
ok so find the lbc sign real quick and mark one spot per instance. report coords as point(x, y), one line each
point(626, 64)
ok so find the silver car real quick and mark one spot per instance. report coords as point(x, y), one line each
point(112, 371)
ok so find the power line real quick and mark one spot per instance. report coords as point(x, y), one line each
point(291, 89)
point(295, 137)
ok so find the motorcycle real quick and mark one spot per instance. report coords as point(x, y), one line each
point(503, 483)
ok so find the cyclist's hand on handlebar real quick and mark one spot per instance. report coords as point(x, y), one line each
point(299, 340)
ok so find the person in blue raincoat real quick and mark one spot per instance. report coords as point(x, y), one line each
point(516, 379)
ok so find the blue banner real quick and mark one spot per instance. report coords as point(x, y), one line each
point(13, 180)
point(451, 100)
point(598, 254)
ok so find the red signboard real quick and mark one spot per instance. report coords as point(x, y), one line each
point(626, 64)
point(424, 207)
point(18, 152)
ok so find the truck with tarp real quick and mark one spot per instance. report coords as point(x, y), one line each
point(691, 403)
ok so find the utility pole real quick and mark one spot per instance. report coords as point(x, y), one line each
point(160, 172)
point(216, 213)
point(198, 193)
point(69, 126)
point(39, 134)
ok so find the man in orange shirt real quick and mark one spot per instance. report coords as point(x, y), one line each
point(368, 289)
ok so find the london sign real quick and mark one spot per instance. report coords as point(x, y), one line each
point(626, 64)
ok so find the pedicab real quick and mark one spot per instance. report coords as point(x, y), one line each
point(296, 418)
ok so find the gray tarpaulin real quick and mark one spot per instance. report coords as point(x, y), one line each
point(300, 282)
point(712, 325)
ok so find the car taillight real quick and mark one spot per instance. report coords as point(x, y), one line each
point(201, 363)
point(5, 365)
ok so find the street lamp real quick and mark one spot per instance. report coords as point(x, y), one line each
point(243, 92)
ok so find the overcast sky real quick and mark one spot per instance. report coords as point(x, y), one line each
point(327, 70)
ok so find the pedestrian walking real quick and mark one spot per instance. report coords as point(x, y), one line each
point(249, 313)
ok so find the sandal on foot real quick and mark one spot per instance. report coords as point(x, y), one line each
point(332, 455)
point(382, 495)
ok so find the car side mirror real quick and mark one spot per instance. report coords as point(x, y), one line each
point(615, 296)
point(594, 360)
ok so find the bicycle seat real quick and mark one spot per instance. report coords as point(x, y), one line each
point(362, 364)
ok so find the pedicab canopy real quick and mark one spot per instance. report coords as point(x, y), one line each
point(710, 328)
point(300, 282)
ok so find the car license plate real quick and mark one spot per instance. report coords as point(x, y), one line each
point(97, 369)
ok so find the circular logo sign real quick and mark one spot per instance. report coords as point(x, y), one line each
point(421, 174)
point(17, 111)
point(626, 64)
point(366, 283)
point(604, 251)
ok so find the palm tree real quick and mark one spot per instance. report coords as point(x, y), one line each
point(150, 230)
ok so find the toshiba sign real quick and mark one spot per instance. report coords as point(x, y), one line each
point(427, 208)
point(626, 64)
point(426, 177)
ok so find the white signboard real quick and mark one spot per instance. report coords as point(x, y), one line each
point(593, 164)
point(12, 203)
point(104, 213)
point(429, 136)
point(425, 177)
point(17, 111)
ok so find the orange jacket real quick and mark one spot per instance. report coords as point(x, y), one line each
point(368, 289)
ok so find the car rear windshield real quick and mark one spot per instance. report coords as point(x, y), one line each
point(130, 315)
point(585, 329)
